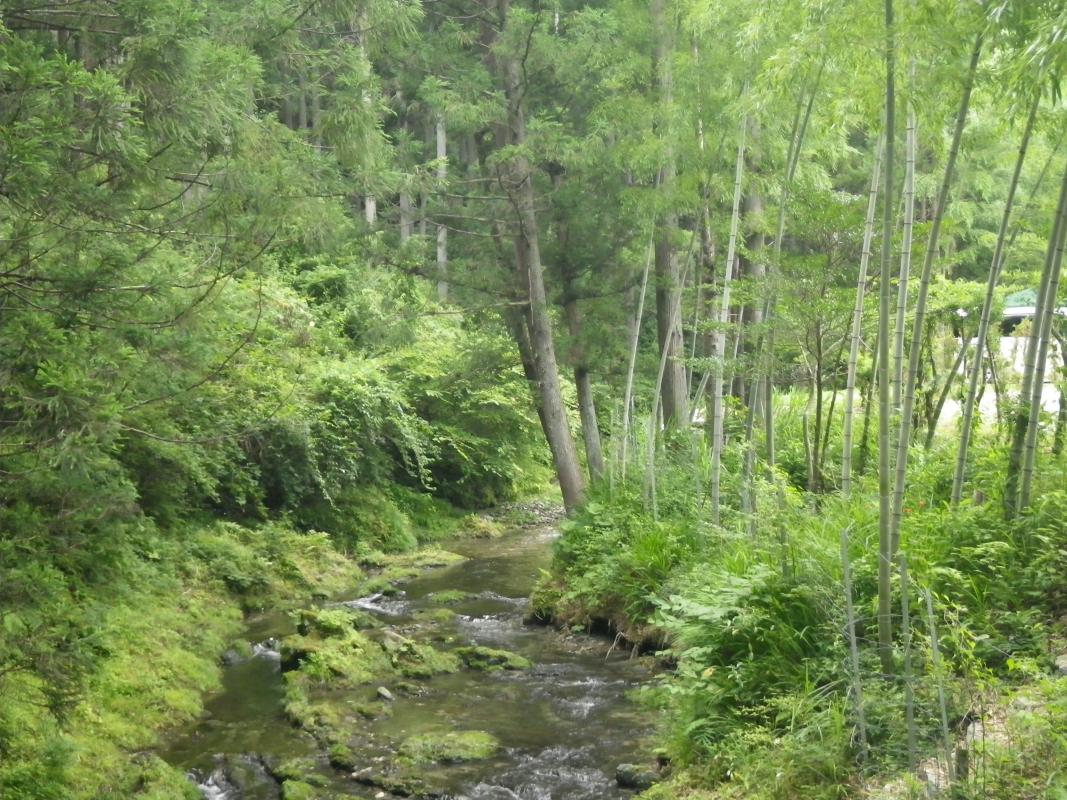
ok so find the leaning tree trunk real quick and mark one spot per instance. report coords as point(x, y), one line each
point(885, 552)
point(908, 406)
point(517, 180)
point(942, 398)
point(635, 337)
point(905, 258)
point(1048, 314)
point(857, 325)
point(720, 334)
point(995, 268)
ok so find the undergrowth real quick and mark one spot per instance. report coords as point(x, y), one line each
point(761, 699)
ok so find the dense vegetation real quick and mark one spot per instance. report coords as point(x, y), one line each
point(286, 284)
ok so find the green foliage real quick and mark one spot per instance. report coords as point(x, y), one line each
point(149, 659)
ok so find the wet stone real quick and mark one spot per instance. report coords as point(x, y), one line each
point(635, 776)
point(490, 659)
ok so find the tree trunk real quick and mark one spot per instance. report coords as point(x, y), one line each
point(885, 551)
point(674, 393)
point(908, 406)
point(517, 181)
point(635, 335)
point(950, 377)
point(905, 258)
point(857, 325)
point(995, 268)
point(1048, 305)
point(720, 335)
point(442, 231)
point(594, 455)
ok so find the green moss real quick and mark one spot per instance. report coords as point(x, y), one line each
point(302, 769)
point(298, 790)
point(479, 526)
point(159, 636)
point(435, 615)
point(424, 661)
point(422, 559)
point(451, 747)
point(344, 660)
point(333, 621)
point(490, 660)
point(342, 756)
point(449, 597)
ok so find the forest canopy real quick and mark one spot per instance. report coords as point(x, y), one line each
point(730, 275)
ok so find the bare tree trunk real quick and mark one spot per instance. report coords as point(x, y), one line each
point(517, 180)
point(885, 550)
point(442, 231)
point(407, 223)
point(720, 335)
point(1047, 314)
point(908, 406)
point(853, 646)
point(995, 268)
point(868, 404)
point(628, 392)
point(516, 321)
point(905, 258)
point(674, 392)
point(814, 478)
point(857, 325)
point(594, 455)
point(950, 378)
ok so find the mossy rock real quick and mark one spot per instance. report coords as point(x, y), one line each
point(435, 615)
point(379, 584)
point(299, 790)
point(375, 710)
point(342, 757)
point(349, 659)
point(478, 526)
point(449, 748)
point(449, 597)
point(336, 621)
point(302, 769)
point(402, 783)
point(491, 660)
point(416, 660)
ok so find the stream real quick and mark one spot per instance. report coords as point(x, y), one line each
point(565, 724)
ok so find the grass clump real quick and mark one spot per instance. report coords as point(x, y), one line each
point(449, 748)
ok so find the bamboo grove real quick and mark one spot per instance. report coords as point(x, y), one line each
point(734, 263)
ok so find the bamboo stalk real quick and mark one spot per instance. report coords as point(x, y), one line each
point(885, 552)
point(909, 689)
point(907, 409)
point(853, 647)
point(628, 392)
point(1022, 415)
point(942, 703)
point(905, 258)
point(1038, 383)
point(987, 309)
point(857, 324)
point(720, 335)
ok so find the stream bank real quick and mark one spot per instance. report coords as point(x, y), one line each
point(433, 688)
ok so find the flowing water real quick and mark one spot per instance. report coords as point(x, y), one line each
point(564, 725)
